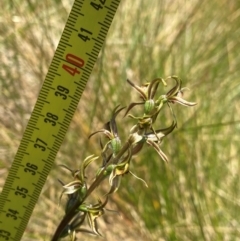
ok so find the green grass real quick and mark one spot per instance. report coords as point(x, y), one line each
point(194, 197)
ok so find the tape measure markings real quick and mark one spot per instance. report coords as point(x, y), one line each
point(56, 104)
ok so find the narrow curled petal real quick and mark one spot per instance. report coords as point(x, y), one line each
point(73, 236)
point(73, 172)
point(83, 230)
point(61, 165)
point(115, 183)
point(97, 207)
point(116, 111)
point(93, 223)
point(72, 187)
point(105, 150)
point(61, 193)
point(134, 129)
point(176, 88)
point(107, 133)
point(106, 159)
point(84, 164)
point(93, 213)
point(111, 125)
point(135, 117)
point(167, 130)
point(158, 150)
point(177, 99)
point(139, 178)
point(132, 105)
point(153, 86)
point(140, 90)
point(157, 135)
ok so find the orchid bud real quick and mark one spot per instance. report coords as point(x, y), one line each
point(116, 145)
point(149, 106)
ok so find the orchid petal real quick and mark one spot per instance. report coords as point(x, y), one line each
point(139, 89)
point(181, 101)
point(93, 223)
point(111, 125)
point(176, 88)
point(158, 150)
point(137, 148)
point(84, 164)
point(152, 88)
point(135, 138)
point(115, 184)
point(158, 135)
point(132, 105)
point(139, 178)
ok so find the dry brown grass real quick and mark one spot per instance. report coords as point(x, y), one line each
point(197, 195)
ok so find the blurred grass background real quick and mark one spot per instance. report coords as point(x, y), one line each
point(194, 197)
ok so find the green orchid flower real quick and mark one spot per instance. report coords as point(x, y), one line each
point(70, 229)
point(93, 212)
point(153, 138)
point(174, 94)
point(119, 170)
point(153, 106)
point(77, 189)
point(147, 93)
point(111, 132)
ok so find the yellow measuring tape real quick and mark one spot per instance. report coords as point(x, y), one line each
point(77, 51)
